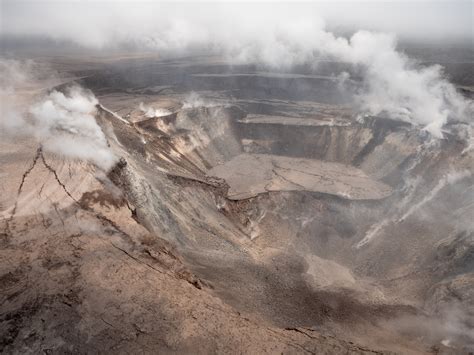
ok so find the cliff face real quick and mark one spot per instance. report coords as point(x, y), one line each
point(239, 222)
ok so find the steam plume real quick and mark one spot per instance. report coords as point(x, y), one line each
point(63, 123)
point(150, 111)
point(392, 84)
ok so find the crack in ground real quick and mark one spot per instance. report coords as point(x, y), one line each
point(321, 176)
point(28, 171)
point(39, 154)
point(98, 215)
point(137, 259)
point(289, 181)
point(291, 342)
point(298, 330)
point(51, 169)
point(180, 275)
point(20, 188)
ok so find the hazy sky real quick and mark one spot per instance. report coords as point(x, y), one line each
point(98, 23)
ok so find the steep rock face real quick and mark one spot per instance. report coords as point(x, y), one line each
point(326, 142)
point(210, 134)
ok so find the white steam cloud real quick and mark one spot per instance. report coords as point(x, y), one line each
point(151, 112)
point(446, 180)
point(395, 86)
point(392, 84)
point(63, 123)
point(18, 84)
point(194, 100)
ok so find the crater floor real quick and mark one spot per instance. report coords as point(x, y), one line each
point(251, 174)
